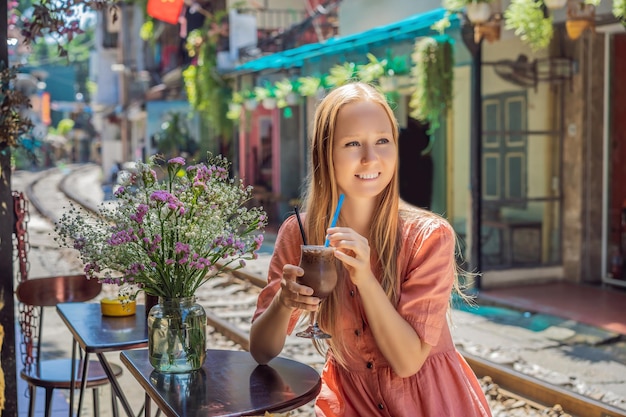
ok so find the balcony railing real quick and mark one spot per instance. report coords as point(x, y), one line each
point(275, 19)
point(282, 29)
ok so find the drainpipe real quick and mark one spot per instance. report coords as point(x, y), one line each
point(476, 119)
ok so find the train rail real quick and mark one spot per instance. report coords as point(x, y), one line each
point(230, 300)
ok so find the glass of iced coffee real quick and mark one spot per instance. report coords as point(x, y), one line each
point(320, 273)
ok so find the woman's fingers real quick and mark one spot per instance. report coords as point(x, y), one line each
point(353, 251)
point(296, 295)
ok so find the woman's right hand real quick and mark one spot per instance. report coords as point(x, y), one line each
point(294, 295)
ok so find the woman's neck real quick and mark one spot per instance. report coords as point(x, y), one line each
point(358, 215)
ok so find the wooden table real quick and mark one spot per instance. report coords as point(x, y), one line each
point(98, 334)
point(230, 383)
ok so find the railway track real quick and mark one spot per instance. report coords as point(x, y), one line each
point(230, 301)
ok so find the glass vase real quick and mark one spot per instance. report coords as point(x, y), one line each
point(177, 335)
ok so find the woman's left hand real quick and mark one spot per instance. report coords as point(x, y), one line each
point(353, 252)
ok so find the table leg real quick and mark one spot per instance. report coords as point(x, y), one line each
point(116, 388)
point(73, 377)
point(83, 383)
point(147, 404)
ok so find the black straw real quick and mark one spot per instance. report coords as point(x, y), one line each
point(300, 224)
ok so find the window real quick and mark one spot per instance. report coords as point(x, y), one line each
point(505, 149)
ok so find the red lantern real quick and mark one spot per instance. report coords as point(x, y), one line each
point(165, 10)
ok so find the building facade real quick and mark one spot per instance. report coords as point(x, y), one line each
point(552, 203)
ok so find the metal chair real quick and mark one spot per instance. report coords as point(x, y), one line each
point(51, 374)
point(33, 295)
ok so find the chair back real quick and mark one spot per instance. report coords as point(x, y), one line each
point(50, 291)
point(36, 293)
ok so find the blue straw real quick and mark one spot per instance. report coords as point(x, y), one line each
point(335, 217)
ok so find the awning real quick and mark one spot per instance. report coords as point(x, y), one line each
point(410, 28)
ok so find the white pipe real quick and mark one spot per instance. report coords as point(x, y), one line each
point(605, 157)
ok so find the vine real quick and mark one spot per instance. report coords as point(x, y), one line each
point(207, 92)
point(433, 72)
point(527, 19)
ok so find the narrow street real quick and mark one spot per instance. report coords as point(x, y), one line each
point(587, 360)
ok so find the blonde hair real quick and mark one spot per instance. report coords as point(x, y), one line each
point(322, 195)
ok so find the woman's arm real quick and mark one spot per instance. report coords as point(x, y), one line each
point(269, 330)
point(395, 336)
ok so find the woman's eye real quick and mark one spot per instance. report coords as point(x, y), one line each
point(353, 143)
point(383, 140)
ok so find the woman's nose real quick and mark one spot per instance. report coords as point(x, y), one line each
point(369, 154)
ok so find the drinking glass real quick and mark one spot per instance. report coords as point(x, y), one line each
point(320, 273)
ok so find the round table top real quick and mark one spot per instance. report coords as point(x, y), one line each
point(230, 383)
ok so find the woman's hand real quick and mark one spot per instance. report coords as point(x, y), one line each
point(353, 252)
point(294, 295)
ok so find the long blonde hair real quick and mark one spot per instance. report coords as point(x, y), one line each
point(322, 195)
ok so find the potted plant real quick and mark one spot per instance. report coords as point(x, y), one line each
point(266, 95)
point(433, 73)
point(250, 101)
point(234, 111)
point(310, 86)
point(477, 11)
point(167, 238)
point(619, 10)
point(580, 17)
point(395, 73)
point(371, 71)
point(554, 4)
point(527, 19)
point(341, 74)
point(285, 93)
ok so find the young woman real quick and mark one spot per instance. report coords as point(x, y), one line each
point(391, 353)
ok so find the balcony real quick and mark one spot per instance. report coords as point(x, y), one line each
point(282, 29)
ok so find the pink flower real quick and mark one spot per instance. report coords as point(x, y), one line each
point(177, 161)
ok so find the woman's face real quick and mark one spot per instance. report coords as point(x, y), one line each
point(364, 152)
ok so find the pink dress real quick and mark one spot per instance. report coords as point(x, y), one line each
point(445, 386)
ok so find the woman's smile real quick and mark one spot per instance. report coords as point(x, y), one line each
point(371, 176)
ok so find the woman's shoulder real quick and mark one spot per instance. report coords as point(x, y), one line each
point(418, 218)
point(418, 222)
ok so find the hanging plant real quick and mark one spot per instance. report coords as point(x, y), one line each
point(371, 71)
point(432, 71)
point(309, 86)
point(285, 92)
point(341, 74)
point(234, 111)
point(207, 91)
point(527, 19)
point(619, 10)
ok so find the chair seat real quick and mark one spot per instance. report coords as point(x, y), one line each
point(56, 373)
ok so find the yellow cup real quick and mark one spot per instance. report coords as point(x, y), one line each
point(116, 308)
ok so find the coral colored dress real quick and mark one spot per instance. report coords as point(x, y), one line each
point(445, 386)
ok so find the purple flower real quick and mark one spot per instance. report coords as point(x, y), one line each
point(79, 243)
point(178, 160)
point(142, 210)
point(122, 236)
point(180, 247)
point(160, 195)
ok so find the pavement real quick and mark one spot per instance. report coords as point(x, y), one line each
point(559, 351)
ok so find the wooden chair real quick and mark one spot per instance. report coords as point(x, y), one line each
point(51, 374)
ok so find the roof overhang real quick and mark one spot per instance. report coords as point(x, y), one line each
point(413, 27)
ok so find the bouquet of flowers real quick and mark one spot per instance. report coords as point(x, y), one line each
point(167, 237)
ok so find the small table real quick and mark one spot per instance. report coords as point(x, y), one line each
point(507, 229)
point(98, 334)
point(230, 383)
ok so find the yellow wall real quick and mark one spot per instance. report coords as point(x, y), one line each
point(540, 117)
point(459, 149)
